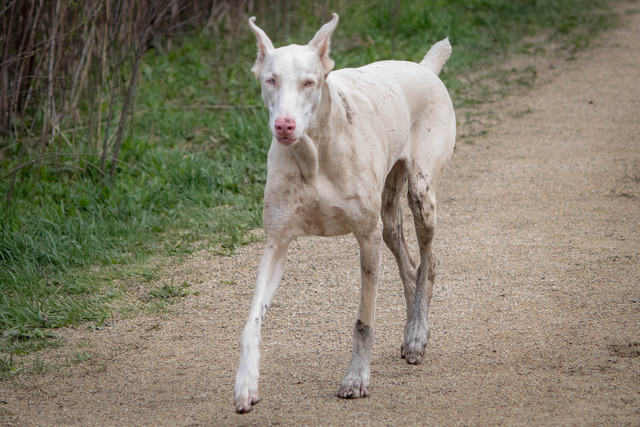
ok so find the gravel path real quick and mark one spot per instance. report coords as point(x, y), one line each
point(535, 317)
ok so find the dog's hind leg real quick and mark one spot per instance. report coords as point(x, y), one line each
point(393, 232)
point(270, 273)
point(356, 382)
point(422, 202)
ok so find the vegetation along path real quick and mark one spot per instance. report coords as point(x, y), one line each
point(535, 316)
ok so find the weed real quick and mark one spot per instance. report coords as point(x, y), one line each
point(85, 343)
point(24, 341)
point(520, 114)
point(78, 358)
point(168, 293)
point(39, 367)
point(8, 368)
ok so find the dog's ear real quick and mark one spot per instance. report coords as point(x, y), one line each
point(265, 47)
point(322, 40)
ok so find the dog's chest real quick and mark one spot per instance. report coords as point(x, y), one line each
point(313, 193)
point(323, 210)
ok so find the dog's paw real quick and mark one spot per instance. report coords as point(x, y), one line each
point(354, 388)
point(245, 404)
point(414, 344)
point(246, 394)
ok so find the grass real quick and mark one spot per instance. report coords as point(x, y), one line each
point(167, 294)
point(194, 160)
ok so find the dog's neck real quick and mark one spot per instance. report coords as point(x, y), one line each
point(332, 114)
point(305, 153)
point(315, 145)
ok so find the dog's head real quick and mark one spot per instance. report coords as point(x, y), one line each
point(292, 78)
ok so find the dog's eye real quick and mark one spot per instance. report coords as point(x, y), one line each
point(271, 82)
point(309, 83)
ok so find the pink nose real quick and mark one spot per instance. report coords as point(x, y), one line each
point(285, 126)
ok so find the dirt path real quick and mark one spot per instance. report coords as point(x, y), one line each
point(535, 319)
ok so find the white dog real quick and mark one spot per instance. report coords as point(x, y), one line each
point(344, 144)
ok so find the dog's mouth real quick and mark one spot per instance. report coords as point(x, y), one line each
point(286, 140)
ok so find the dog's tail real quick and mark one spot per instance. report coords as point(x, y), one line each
point(437, 56)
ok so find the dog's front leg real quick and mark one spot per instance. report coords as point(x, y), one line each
point(270, 273)
point(356, 381)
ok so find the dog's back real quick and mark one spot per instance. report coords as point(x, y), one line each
point(381, 81)
point(395, 104)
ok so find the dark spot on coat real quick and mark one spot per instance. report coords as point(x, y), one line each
point(415, 203)
point(360, 327)
point(263, 314)
point(347, 108)
point(364, 336)
point(290, 178)
point(367, 271)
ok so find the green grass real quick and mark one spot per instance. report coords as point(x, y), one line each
point(163, 296)
point(192, 174)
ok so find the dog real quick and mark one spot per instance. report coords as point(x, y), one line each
point(344, 145)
